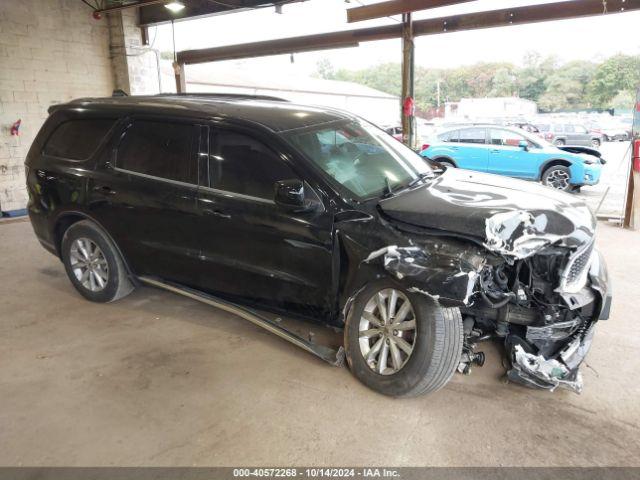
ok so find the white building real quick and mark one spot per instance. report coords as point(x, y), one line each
point(378, 107)
point(488, 108)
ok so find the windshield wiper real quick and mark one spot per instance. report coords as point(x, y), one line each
point(388, 191)
point(421, 176)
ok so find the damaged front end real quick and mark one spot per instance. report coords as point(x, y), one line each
point(543, 294)
point(539, 293)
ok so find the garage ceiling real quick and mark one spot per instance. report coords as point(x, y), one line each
point(153, 12)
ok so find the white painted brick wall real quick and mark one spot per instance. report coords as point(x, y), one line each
point(134, 65)
point(50, 52)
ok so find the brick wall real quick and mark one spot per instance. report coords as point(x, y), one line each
point(135, 67)
point(52, 51)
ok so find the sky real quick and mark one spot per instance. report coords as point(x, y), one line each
point(592, 38)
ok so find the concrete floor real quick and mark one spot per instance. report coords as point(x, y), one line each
point(157, 379)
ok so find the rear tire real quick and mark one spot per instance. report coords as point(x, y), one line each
point(559, 143)
point(93, 263)
point(446, 163)
point(435, 342)
point(558, 177)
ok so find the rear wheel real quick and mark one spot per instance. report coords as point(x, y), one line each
point(559, 142)
point(558, 177)
point(401, 343)
point(93, 264)
point(446, 163)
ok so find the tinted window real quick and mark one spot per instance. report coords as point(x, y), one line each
point(159, 149)
point(569, 129)
point(472, 135)
point(580, 129)
point(77, 139)
point(241, 164)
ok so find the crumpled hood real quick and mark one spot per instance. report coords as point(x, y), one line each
point(512, 217)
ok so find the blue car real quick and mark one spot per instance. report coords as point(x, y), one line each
point(515, 153)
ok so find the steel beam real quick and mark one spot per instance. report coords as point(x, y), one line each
point(348, 38)
point(523, 15)
point(126, 6)
point(454, 23)
point(395, 7)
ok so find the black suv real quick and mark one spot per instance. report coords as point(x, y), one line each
point(254, 203)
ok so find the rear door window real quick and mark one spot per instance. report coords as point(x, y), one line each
point(239, 163)
point(160, 149)
point(77, 139)
point(472, 135)
point(451, 136)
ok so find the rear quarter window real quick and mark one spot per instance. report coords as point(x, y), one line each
point(451, 136)
point(77, 139)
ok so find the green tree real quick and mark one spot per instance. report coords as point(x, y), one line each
point(624, 100)
point(617, 73)
point(566, 87)
point(532, 77)
point(503, 83)
point(324, 69)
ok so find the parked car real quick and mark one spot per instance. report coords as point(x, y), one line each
point(266, 208)
point(560, 134)
point(612, 131)
point(515, 153)
point(527, 127)
point(395, 132)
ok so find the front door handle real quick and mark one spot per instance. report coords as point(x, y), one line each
point(495, 151)
point(216, 213)
point(104, 189)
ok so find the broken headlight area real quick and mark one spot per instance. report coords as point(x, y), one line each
point(544, 311)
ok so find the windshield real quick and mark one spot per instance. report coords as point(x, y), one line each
point(359, 156)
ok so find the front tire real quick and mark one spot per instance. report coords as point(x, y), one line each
point(93, 263)
point(402, 343)
point(558, 177)
point(595, 143)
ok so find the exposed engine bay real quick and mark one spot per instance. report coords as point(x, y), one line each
point(530, 305)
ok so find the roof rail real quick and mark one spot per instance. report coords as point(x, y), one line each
point(238, 96)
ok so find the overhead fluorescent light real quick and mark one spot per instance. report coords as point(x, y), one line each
point(175, 7)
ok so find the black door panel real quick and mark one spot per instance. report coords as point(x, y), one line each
point(252, 249)
point(152, 218)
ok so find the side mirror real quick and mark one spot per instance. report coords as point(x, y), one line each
point(523, 144)
point(290, 194)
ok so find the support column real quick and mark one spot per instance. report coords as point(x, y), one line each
point(181, 83)
point(632, 204)
point(408, 127)
point(136, 68)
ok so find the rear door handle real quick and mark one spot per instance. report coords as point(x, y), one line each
point(216, 213)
